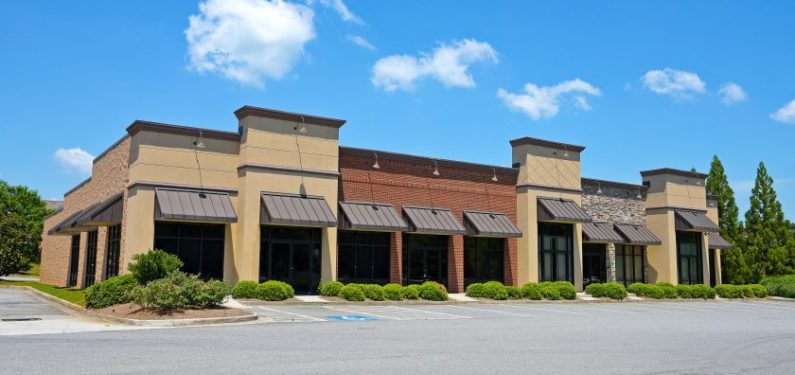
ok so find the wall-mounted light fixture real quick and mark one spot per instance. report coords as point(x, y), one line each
point(199, 142)
point(599, 189)
point(494, 177)
point(639, 196)
point(435, 168)
point(376, 165)
point(565, 151)
point(301, 128)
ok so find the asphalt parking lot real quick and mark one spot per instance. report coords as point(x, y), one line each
point(715, 337)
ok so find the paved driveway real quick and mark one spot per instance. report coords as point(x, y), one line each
point(24, 313)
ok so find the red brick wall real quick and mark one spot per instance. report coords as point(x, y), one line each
point(403, 180)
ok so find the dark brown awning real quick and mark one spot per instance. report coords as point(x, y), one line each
point(298, 210)
point(433, 220)
point(600, 232)
point(562, 210)
point(68, 226)
point(192, 205)
point(694, 221)
point(371, 216)
point(716, 241)
point(106, 213)
point(490, 224)
point(637, 235)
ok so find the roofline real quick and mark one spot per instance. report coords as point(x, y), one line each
point(248, 110)
point(141, 125)
point(401, 156)
point(78, 186)
point(546, 143)
point(673, 171)
point(594, 181)
point(103, 153)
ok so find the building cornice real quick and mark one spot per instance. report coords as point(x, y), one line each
point(247, 110)
point(676, 172)
point(278, 168)
point(389, 155)
point(673, 208)
point(606, 183)
point(159, 127)
point(556, 189)
point(545, 143)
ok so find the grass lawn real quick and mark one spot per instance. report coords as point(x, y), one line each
point(75, 296)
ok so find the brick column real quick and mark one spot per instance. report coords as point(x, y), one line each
point(510, 262)
point(455, 264)
point(611, 262)
point(396, 257)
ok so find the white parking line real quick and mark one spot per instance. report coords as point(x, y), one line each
point(685, 307)
point(610, 310)
point(305, 318)
point(444, 315)
point(494, 311)
point(365, 312)
point(544, 309)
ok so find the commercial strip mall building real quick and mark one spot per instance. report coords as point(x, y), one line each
point(281, 199)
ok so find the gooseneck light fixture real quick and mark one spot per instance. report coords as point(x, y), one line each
point(376, 165)
point(639, 196)
point(599, 189)
point(435, 168)
point(197, 144)
point(565, 151)
point(301, 128)
point(494, 177)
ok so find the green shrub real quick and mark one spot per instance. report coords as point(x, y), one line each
point(638, 288)
point(433, 291)
point(245, 289)
point(162, 295)
point(566, 289)
point(655, 291)
point(729, 291)
point(781, 286)
point(475, 290)
point(211, 294)
point(786, 290)
point(113, 291)
point(668, 289)
point(596, 290)
point(684, 291)
point(273, 290)
point(531, 291)
point(330, 288)
point(152, 265)
point(513, 292)
point(374, 292)
point(352, 292)
point(493, 289)
point(179, 290)
point(758, 291)
point(702, 291)
point(393, 292)
point(411, 292)
point(550, 292)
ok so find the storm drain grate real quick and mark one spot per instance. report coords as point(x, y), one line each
point(19, 319)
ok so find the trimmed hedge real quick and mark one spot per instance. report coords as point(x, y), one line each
point(411, 292)
point(550, 292)
point(374, 292)
point(531, 291)
point(565, 289)
point(513, 292)
point(475, 290)
point(179, 290)
point(655, 291)
point(273, 290)
point(330, 288)
point(245, 289)
point(781, 286)
point(433, 291)
point(611, 290)
point(352, 292)
point(394, 292)
point(113, 291)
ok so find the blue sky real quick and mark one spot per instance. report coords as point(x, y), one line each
point(641, 84)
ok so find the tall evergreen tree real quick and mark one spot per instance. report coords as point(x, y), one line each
point(735, 269)
point(768, 241)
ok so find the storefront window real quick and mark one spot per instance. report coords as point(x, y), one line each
point(484, 259)
point(555, 252)
point(630, 266)
point(363, 257)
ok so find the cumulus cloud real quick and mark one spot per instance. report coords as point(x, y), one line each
point(679, 84)
point(361, 42)
point(248, 40)
point(785, 114)
point(74, 160)
point(732, 93)
point(539, 102)
point(342, 10)
point(448, 64)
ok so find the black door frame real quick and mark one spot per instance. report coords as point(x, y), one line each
point(591, 251)
point(441, 250)
point(546, 229)
point(313, 244)
point(683, 237)
point(74, 261)
point(90, 274)
point(712, 273)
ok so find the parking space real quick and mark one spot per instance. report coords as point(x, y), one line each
point(511, 310)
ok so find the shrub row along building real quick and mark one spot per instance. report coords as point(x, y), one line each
point(281, 199)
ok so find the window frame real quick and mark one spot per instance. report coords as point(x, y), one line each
point(556, 232)
point(480, 272)
point(374, 243)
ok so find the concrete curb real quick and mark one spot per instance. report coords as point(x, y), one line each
point(176, 322)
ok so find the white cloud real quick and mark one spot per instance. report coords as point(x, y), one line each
point(74, 160)
point(448, 63)
point(361, 42)
point(785, 114)
point(342, 10)
point(248, 40)
point(677, 83)
point(731, 93)
point(544, 102)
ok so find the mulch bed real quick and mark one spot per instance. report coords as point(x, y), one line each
point(133, 311)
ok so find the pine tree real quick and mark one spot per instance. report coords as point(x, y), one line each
point(768, 242)
point(735, 269)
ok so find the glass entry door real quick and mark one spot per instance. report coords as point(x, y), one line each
point(291, 255)
point(424, 259)
point(688, 248)
point(594, 267)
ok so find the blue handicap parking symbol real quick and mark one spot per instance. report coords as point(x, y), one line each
point(350, 318)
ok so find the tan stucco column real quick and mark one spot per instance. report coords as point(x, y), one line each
point(705, 257)
point(328, 255)
point(577, 250)
point(139, 225)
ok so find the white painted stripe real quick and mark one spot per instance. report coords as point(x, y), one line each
point(451, 316)
point(311, 318)
point(493, 311)
point(533, 307)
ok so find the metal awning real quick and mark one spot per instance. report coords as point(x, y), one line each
point(433, 220)
point(695, 221)
point(105, 213)
point(716, 241)
point(193, 205)
point(491, 224)
point(561, 210)
point(600, 232)
point(637, 234)
point(297, 210)
point(68, 226)
point(371, 216)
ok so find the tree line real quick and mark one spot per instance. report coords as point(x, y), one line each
point(763, 244)
point(22, 214)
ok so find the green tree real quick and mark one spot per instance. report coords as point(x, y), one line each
point(22, 215)
point(768, 240)
point(735, 269)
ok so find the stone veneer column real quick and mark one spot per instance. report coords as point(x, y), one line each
point(396, 257)
point(611, 262)
point(455, 264)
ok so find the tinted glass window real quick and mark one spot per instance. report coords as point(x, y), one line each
point(483, 260)
point(199, 246)
point(363, 257)
point(555, 247)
